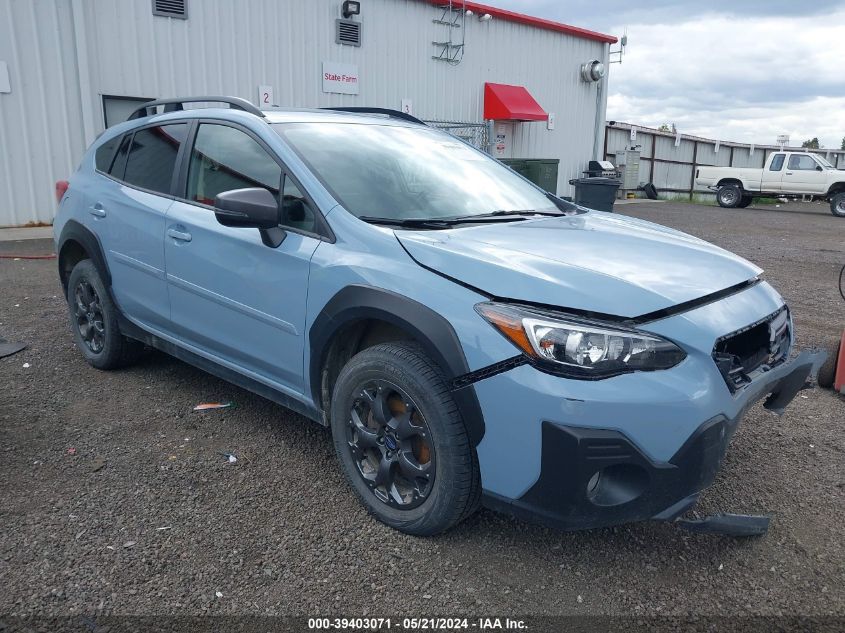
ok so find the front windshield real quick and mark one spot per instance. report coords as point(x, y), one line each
point(398, 172)
point(824, 162)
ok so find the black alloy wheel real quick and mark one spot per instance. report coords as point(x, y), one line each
point(401, 441)
point(94, 320)
point(391, 445)
point(89, 316)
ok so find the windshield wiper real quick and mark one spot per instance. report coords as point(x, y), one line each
point(435, 223)
point(413, 223)
point(520, 212)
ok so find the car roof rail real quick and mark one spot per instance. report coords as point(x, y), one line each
point(175, 105)
point(395, 114)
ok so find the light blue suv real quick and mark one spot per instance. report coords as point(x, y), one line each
point(468, 337)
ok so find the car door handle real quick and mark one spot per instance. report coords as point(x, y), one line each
point(789, 173)
point(97, 210)
point(176, 234)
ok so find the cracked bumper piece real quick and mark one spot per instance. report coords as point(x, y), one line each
point(596, 478)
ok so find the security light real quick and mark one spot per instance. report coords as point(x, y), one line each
point(485, 17)
point(350, 8)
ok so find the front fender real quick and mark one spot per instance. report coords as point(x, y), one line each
point(431, 330)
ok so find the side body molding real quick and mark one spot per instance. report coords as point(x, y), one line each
point(431, 330)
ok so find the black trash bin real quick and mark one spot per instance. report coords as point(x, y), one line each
point(596, 193)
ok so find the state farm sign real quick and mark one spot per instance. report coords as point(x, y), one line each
point(340, 78)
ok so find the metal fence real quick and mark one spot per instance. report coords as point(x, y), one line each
point(476, 134)
point(669, 161)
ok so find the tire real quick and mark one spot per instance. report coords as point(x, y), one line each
point(827, 372)
point(744, 202)
point(837, 205)
point(650, 191)
point(729, 196)
point(93, 320)
point(428, 469)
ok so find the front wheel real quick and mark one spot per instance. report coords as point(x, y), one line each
point(729, 196)
point(837, 205)
point(401, 441)
point(744, 202)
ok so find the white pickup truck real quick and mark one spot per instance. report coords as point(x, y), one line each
point(785, 174)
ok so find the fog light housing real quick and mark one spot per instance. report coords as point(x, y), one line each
point(617, 484)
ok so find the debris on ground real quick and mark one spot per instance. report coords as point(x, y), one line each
point(208, 406)
point(98, 464)
point(26, 365)
point(7, 348)
point(219, 594)
point(230, 457)
point(71, 450)
point(129, 544)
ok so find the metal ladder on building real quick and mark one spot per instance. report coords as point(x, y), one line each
point(453, 15)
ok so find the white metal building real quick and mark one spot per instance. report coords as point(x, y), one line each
point(70, 67)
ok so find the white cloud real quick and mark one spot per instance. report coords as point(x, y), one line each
point(735, 77)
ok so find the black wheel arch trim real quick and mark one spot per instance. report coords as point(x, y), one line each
point(79, 233)
point(429, 329)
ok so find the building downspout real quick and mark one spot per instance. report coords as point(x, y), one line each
point(598, 128)
point(80, 38)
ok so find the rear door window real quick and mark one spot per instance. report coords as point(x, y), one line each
point(225, 158)
point(777, 162)
point(152, 156)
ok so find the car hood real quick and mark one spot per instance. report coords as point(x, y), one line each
point(594, 261)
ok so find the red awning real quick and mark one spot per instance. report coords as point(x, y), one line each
point(511, 103)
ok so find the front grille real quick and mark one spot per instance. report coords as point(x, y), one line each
point(743, 355)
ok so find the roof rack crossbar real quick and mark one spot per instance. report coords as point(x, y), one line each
point(174, 105)
point(396, 114)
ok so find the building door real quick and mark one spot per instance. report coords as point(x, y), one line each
point(117, 109)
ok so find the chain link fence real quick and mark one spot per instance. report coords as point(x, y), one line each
point(476, 134)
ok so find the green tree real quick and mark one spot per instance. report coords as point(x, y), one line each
point(665, 128)
point(843, 143)
point(813, 143)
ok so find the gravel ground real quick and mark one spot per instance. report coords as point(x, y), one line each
point(115, 497)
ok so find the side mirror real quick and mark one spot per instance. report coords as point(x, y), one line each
point(819, 168)
point(254, 208)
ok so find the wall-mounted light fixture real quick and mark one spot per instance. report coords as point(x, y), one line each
point(486, 17)
point(350, 8)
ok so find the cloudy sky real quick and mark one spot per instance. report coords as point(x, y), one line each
point(727, 69)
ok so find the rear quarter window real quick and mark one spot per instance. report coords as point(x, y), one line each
point(105, 154)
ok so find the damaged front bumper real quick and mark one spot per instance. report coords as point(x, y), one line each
point(592, 477)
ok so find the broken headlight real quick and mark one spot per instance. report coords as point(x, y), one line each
point(578, 347)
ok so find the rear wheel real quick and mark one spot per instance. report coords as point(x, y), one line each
point(729, 196)
point(837, 205)
point(401, 441)
point(93, 320)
